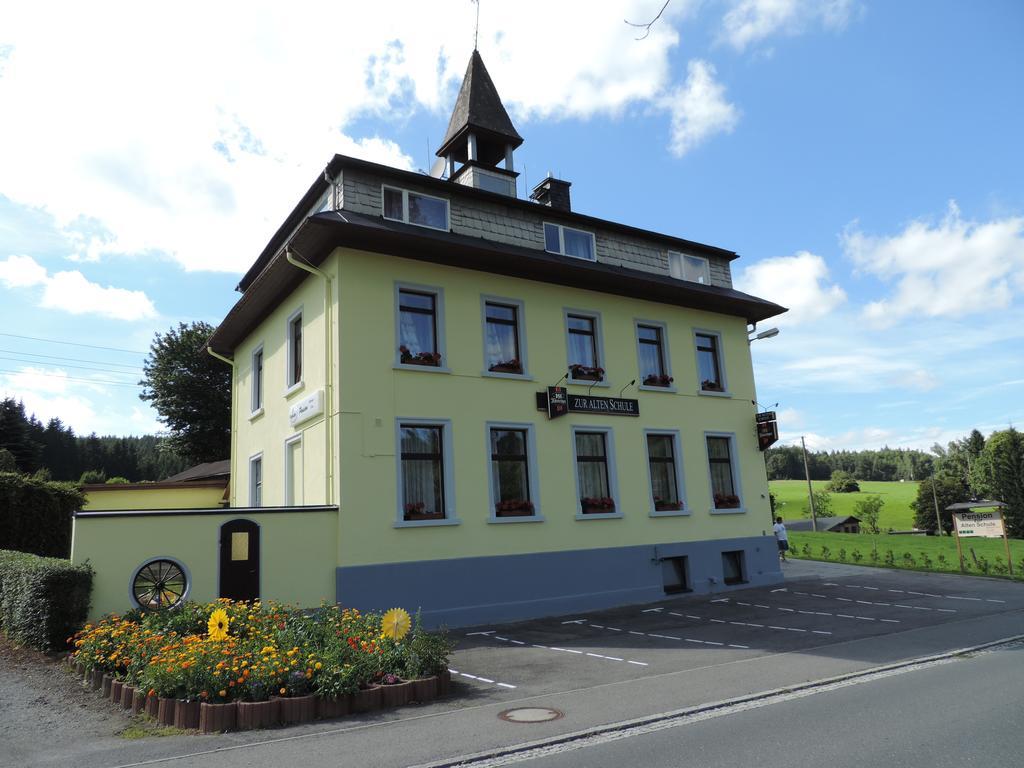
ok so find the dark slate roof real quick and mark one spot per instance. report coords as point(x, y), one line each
point(317, 236)
point(976, 504)
point(207, 471)
point(479, 107)
point(824, 523)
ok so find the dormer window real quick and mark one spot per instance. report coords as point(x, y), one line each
point(693, 269)
point(415, 208)
point(569, 242)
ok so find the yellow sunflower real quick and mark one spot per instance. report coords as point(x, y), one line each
point(217, 627)
point(396, 623)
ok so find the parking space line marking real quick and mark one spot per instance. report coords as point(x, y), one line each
point(517, 642)
point(632, 632)
point(896, 590)
point(886, 605)
point(638, 663)
point(865, 618)
point(614, 658)
point(480, 679)
point(846, 600)
point(575, 621)
point(844, 616)
point(890, 621)
point(788, 610)
point(746, 604)
point(758, 605)
point(978, 599)
point(653, 610)
point(721, 600)
point(920, 594)
point(503, 639)
point(570, 650)
point(614, 629)
point(718, 621)
point(597, 626)
point(820, 632)
point(506, 685)
point(867, 602)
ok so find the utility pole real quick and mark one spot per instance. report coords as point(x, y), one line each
point(938, 515)
point(810, 488)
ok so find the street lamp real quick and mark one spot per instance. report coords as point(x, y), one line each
point(764, 335)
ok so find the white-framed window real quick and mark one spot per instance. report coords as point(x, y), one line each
point(693, 269)
point(723, 472)
point(256, 400)
point(665, 472)
point(513, 472)
point(584, 347)
point(504, 325)
point(597, 490)
point(419, 328)
point(653, 359)
point(256, 480)
point(569, 242)
point(424, 459)
point(293, 472)
point(710, 362)
point(415, 208)
point(293, 331)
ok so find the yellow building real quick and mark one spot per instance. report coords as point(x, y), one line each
point(487, 408)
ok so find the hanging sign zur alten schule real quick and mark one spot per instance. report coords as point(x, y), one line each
point(557, 402)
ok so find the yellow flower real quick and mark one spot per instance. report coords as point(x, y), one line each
point(217, 627)
point(396, 623)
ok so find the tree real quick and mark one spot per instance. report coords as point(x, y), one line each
point(822, 505)
point(191, 391)
point(949, 489)
point(998, 474)
point(842, 482)
point(868, 510)
point(7, 462)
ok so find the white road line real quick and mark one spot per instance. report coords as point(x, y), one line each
point(758, 605)
point(920, 594)
point(597, 626)
point(889, 621)
point(653, 610)
point(575, 621)
point(503, 639)
point(614, 629)
point(822, 613)
point(867, 602)
point(480, 679)
point(721, 600)
point(614, 658)
point(517, 642)
point(718, 621)
point(638, 663)
point(506, 685)
point(556, 648)
point(847, 600)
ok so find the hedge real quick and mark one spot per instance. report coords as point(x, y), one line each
point(35, 515)
point(43, 600)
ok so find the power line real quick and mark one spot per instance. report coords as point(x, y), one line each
point(68, 365)
point(74, 359)
point(69, 378)
point(74, 344)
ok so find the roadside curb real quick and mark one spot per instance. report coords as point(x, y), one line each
point(708, 708)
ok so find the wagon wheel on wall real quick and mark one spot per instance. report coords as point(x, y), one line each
point(159, 584)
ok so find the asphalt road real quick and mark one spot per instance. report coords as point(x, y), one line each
point(963, 713)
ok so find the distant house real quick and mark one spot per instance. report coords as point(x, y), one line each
point(845, 524)
point(199, 487)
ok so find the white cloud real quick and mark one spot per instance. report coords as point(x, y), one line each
point(196, 139)
point(71, 292)
point(751, 21)
point(953, 268)
point(699, 109)
point(799, 282)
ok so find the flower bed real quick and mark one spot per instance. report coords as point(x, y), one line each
point(253, 664)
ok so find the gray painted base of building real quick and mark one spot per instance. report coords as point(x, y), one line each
point(467, 591)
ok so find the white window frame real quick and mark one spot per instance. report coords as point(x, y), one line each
point(257, 387)
point(405, 208)
point(531, 468)
point(666, 357)
point(720, 349)
point(290, 441)
point(598, 344)
point(294, 386)
point(561, 240)
point(736, 481)
point(439, 327)
point(677, 454)
point(256, 458)
point(448, 461)
point(613, 482)
point(677, 267)
point(520, 327)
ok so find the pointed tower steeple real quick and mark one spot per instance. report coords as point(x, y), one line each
point(480, 135)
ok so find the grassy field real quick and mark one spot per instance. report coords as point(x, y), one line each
point(791, 501)
point(928, 553)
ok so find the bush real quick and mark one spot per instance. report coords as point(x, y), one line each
point(867, 511)
point(35, 515)
point(43, 600)
point(842, 482)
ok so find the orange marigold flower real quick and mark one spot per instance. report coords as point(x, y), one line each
point(283, 691)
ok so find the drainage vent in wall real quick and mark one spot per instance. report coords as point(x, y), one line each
point(530, 715)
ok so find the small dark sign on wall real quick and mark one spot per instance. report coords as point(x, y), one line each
point(557, 402)
point(767, 430)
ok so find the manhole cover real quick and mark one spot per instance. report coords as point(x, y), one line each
point(530, 715)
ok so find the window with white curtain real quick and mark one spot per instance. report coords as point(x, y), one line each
point(595, 480)
point(569, 242)
point(422, 471)
point(502, 352)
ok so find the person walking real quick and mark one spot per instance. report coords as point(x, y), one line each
point(781, 538)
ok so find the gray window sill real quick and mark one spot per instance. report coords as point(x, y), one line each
point(422, 368)
point(427, 523)
point(524, 519)
point(256, 414)
point(588, 383)
point(524, 376)
point(735, 511)
point(684, 512)
point(295, 388)
point(598, 516)
point(711, 393)
point(651, 388)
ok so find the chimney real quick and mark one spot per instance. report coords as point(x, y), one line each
point(553, 193)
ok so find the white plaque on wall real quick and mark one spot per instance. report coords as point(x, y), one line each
point(307, 408)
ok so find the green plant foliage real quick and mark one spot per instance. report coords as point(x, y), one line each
point(868, 511)
point(949, 489)
point(43, 600)
point(843, 482)
point(35, 515)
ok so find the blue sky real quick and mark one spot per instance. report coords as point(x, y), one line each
point(863, 158)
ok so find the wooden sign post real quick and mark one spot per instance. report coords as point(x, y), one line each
point(989, 525)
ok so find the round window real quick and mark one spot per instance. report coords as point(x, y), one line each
point(159, 583)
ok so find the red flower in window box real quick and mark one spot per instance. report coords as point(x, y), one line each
point(602, 504)
point(586, 372)
point(514, 508)
point(667, 505)
point(419, 358)
point(727, 501)
point(711, 386)
point(658, 380)
point(507, 366)
point(418, 511)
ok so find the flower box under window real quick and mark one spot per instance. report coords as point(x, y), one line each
point(592, 506)
point(419, 358)
point(667, 505)
point(727, 501)
point(711, 386)
point(586, 372)
point(514, 508)
point(506, 366)
point(658, 380)
point(419, 511)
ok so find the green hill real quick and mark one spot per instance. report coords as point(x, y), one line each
point(791, 500)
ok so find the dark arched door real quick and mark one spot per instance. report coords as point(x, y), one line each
point(240, 560)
